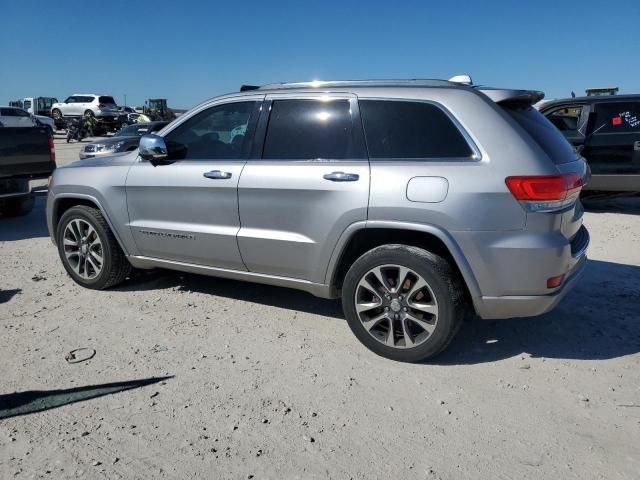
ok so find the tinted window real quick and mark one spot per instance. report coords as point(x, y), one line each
point(565, 118)
point(617, 117)
point(395, 129)
point(13, 112)
point(109, 100)
point(544, 133)
point(218, 132)
point(309, 129)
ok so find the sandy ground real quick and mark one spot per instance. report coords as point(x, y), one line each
point(219, 379)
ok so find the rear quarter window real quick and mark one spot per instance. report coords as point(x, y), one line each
point(410, 130)
point(543, 133)
point(107, 100)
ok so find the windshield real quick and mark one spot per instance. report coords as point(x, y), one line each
point(134, 130)
point(544, 133)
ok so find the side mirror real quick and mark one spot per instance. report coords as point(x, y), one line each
point(153, 148)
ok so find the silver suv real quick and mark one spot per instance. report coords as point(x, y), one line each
point(410, 200)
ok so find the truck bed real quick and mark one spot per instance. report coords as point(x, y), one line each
point(25, 153)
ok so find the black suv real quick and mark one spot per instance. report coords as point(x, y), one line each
point(606, 131)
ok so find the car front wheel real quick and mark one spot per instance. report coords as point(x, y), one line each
point(89, 250)
point(402, 302)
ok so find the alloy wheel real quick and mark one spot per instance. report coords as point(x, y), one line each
point(396, 306)
point(83, 249)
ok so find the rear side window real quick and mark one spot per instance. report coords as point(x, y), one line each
point(544, 133)
point(617, 117)
point(107, 100)
point(398, 129)
point(310, 129)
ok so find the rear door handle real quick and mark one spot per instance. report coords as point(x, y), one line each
point(217, 175)
point(342, 177)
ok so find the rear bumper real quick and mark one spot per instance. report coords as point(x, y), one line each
point(490, 308)
point(21, 186)
point(614, 183)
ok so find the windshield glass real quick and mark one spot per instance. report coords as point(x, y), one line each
point(108, 100)
point(133, 131)
point(544, 133)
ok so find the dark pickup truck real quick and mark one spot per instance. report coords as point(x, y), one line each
point(606, 132)
point(26, 153)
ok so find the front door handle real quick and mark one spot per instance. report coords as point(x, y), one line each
point(342, 177)
point(217, 175)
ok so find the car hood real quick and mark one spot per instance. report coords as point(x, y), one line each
point(113, 140)
point(118, 159)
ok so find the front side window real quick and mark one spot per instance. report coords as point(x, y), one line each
point(410, 130)
point(70, 100)
point(565, 119)
point(617, 117)
point(222, 131)
point(309, 129)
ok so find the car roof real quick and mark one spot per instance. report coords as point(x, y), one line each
point(591, 99)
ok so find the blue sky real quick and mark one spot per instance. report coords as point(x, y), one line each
point(188, 51)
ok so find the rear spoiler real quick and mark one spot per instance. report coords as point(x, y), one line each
point(506, 95)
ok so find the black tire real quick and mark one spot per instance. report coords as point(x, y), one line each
point(441, 278)
point(18, 206)
point(89, 113)
point(115, 266)
point(57, 114)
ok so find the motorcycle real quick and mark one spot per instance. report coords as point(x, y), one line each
point(79, 129)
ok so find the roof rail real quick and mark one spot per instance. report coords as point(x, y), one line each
point(246, 88)
point(416, 82)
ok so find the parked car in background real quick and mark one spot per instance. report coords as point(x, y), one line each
point(125, 140)
point(606, 132)
point(397, 196)
point(102, 107)
point(126, 119)
point(18, 117)
point(26, 153)
point(126, 109)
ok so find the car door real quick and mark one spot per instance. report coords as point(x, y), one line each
point(613, 144)
point(187, 210)
point(306, 182)
point(69, 107)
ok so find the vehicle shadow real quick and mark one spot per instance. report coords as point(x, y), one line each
point(32, 401)
point(33, 225)
point(6, 295)
point(286, 298)
point(612, 204)
point(598, 320)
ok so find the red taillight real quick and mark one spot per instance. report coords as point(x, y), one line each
point(52, 152)
point(552, 187)
point(546, 192)
point(554, 282)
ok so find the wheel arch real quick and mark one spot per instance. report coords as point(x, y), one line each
point(359, 239)
point(64, 202)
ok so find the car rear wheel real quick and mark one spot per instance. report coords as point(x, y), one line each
point(403, 302)
point(57, 114)
point(89, 250)
point(89, 113)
